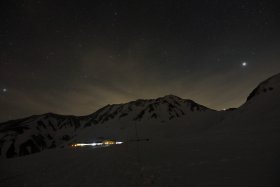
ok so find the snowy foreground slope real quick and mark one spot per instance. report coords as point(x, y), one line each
point(202, 148)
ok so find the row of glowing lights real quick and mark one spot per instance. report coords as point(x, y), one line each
point(95, 144)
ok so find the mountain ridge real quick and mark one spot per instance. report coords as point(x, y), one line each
point(39, 132)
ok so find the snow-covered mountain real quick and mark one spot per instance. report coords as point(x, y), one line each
point(40, 132)
point(37, 133)
point(189, 145)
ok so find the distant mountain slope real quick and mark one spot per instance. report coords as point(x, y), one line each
point(267, 86)
point(36, 133)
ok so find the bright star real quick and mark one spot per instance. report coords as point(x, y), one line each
point(244, 64)
point(5, 90)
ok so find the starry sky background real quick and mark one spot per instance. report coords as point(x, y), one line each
point(73, 57)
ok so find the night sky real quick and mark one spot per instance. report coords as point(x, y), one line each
point(73, 57)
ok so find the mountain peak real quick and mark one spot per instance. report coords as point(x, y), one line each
point(170, 96)
point(162, 108)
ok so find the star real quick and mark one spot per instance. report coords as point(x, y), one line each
point(244, 64)
point(4, 90)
